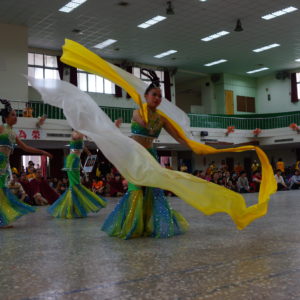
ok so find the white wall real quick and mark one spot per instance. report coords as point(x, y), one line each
point(280, 95)
point(13, 62)
point(188, 93)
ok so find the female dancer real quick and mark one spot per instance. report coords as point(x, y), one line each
point(10, 207)
point(146, 211)
point(77, 200)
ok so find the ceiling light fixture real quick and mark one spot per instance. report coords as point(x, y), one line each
point(279, 13)
point(238, 26)
point(152, 22)
point(170, 9)
point(298, 59)
point(266, 47)
point(71, 5)
point(215, 62)
point(215, 36)
point(169, 52)
point(105, 44)
point(257, 70)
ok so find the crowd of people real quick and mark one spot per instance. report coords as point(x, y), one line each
point(31, 187)
point(245, 182)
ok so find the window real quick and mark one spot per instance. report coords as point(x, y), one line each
point(42, 66)
point(160, 75)
point(93, 83)
point(298, 84)
point(245, 104)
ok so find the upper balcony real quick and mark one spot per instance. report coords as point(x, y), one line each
point(275, 128)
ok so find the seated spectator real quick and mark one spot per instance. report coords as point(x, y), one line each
point(280, 182)
point(227, 181)
point(255, 166)
point(184, 168)
point(26, 186)
point(54, 183)
point(224, 166)
point(62, 185)
point(42, 193)
point(27, 112)
point(295, 181)
point(116, 186)
point(280, 165)
point(30, 172)
point(197, 173)
point(256, 180)
point(207, 177)
point(238, 168)
point(213, 167)
point(216, 178)
point(98, 187)
point(16, 188)
point(243, 183)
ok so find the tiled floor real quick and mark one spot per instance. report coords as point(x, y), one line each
point(45, 258)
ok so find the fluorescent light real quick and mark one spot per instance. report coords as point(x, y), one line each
point(266, 48)
point(105, 44)
point(215, 62)
point(215, 36)
point(298, 59)
point(152, 21)
point(257, 70)
point(202, 0)
point(71, 5)
point(279, 13)
point(169, 52)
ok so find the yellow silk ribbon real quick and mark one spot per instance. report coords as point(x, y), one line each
point(78, 56)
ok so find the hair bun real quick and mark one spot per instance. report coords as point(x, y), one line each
point(6, 104)
point(155, 82)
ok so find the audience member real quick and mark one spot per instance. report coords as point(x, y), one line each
point(227, 181)
point(16, 188)
point(295, 181)
point(238, 168)
point(42, 193)
point(280, 182)
point(256, 180)
point(243, 183)
point(280, 165)
point(116, 186)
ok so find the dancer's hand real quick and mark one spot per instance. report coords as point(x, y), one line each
point(118, 122)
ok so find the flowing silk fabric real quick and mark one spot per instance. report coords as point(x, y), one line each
point(135, 163)
point(77, 55)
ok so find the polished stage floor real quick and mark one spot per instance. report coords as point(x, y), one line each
point(45, 258)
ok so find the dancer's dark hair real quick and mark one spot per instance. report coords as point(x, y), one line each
point(4, 112)
point(154, 79)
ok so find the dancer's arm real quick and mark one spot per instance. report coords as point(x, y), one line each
point(172, 131)
point(29, 149)
point(87, 151)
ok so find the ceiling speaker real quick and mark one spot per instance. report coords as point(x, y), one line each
point(282, 75)
point(215, 77)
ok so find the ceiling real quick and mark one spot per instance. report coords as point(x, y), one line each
point(103, 19)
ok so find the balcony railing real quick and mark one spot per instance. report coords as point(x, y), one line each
point(249, 122)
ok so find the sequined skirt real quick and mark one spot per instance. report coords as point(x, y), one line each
point(144, 212)
point(11, 208)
